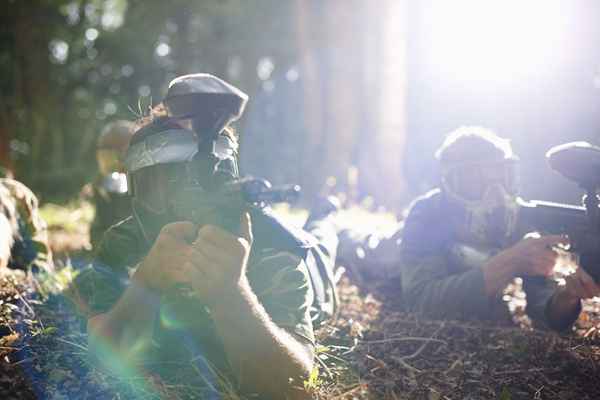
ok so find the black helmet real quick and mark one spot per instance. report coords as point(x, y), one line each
point(165, 157)
point(209, 102)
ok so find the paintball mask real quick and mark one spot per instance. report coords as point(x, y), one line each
point(179, 174)
point(486, 192)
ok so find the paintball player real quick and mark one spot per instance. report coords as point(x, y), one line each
point(235, 294)
point(23, 232)
point(108, 192)
point(463, 243)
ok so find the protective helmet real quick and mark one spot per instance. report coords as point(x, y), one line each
point(112, 145)
point(480, 176)
point(209, 102)
point(165, 157)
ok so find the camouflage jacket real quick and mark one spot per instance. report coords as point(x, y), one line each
point(441, 279)
point(185, 330)
point(22, 230)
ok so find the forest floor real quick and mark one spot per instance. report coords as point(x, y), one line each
point(371, 351)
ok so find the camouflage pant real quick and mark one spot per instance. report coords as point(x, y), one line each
point(23, 233)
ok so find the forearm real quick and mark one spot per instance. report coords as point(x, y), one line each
point(459, 295)
point(497, 274)
point(126, 329)
point(264, 356)
point(429, 288)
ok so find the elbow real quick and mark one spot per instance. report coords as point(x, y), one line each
point(298, 389)
point(290, 381)
point(295, 381)
point(98, 333)
point(105, 347)
point(307, 361)
point(424, 299)
point(292, 386)
point(413, 297)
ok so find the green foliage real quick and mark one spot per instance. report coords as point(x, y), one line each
point(75, 217)
point(47, 331)
point(68, 67)
point(57, 282)
point(505, 394)
point(312, 383)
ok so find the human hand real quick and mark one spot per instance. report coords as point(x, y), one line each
point(220, 259)
point(167, 262)
point(580, 285)
point(533, 256)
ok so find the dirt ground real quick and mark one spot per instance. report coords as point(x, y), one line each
point(397, 355)
point(371, 351)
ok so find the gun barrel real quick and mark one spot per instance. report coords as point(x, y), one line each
point(549, 217)
point(257, 190)
point(287, 193)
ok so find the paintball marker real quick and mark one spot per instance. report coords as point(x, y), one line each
point(579, 162)
point(224, 205)
point(213, 192)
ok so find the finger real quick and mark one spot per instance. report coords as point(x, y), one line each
point(210, 253)
point(180, 274)
point(574, 286)
point(246, 227)
point(553, 240)
point(182, 230)
point(588, 283)
point(216, 235)
point(204, 269)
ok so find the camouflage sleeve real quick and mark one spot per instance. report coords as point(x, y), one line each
point(100, 285)
point(280, 281)
point(539, 293)
point(96, 289)
point(429, 288)
point(30, 247)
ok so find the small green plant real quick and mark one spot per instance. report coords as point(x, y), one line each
point(57, 281)
point(312, 383)
point(504, 394)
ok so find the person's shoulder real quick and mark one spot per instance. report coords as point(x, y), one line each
point(127, 227)
point(18, 189)
point(28, 227)
point(21, 195)
point(426, 205)
point(425, 227)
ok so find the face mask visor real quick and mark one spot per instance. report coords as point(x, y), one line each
point(469, 182)
point(153, 185)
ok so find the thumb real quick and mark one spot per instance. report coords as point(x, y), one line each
point(246, 227)
point(182, 230)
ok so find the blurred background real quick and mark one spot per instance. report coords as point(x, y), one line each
point(348, 96)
